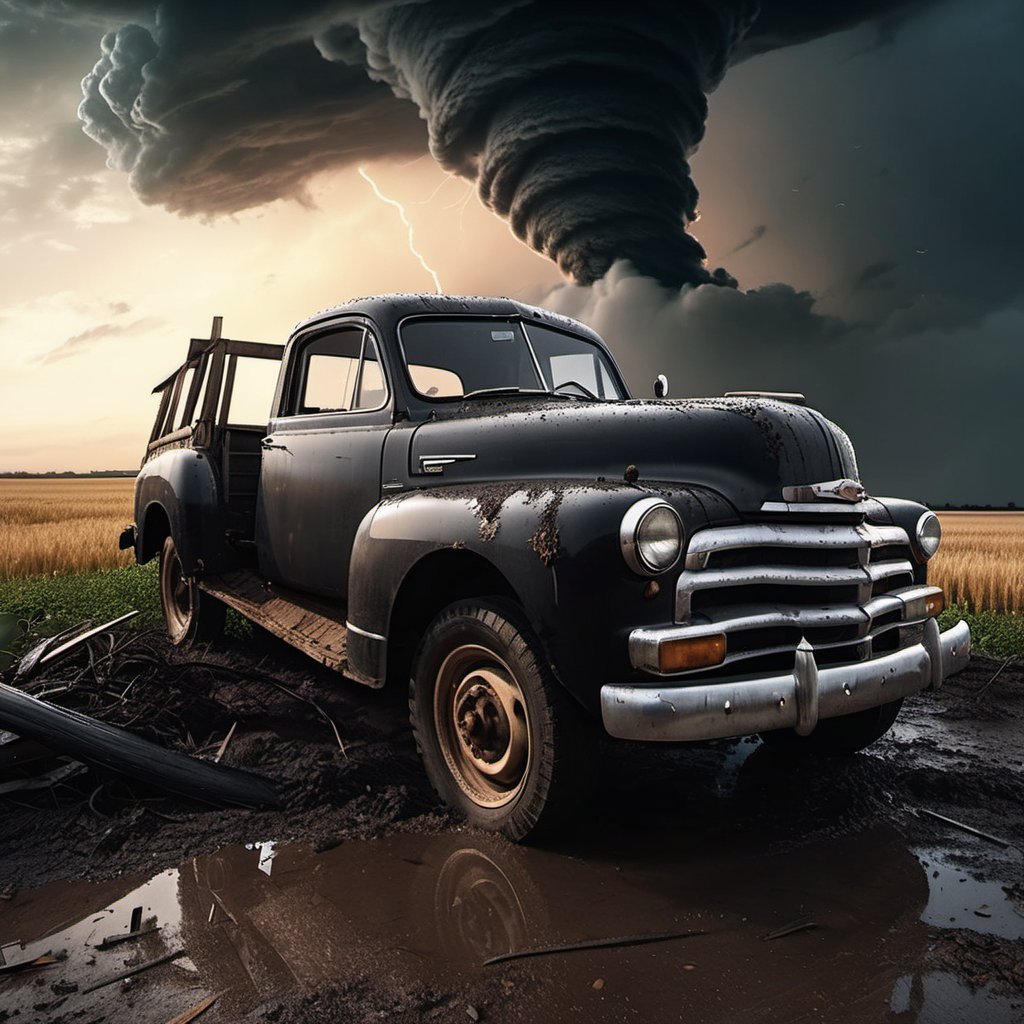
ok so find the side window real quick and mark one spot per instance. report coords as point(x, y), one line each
point(341, 372)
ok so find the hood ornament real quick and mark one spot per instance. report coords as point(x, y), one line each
point(831, 490)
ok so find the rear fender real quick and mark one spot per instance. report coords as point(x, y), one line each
point(178, 490)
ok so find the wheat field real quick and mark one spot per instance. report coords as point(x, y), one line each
point(71, 526)
point(63, 526)
point(980, 562)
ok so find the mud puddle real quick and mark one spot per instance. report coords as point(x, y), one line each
point(406, 925)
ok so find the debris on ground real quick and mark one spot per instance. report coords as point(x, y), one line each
point(686, 826)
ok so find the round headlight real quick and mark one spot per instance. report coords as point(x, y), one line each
point(651, 536)
point(928, 533)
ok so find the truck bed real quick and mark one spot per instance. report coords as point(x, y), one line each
point(315, 628)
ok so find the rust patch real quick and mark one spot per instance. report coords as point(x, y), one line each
point(544, 541)
point(489, 504)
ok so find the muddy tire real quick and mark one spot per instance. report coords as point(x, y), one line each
point(839, 736)
point(191, 616)
point(501, 742)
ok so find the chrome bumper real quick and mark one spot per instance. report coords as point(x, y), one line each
point(797, 701)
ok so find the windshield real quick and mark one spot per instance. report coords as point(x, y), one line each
point(452, 358)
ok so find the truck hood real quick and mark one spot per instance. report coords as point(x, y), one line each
point(747, 449)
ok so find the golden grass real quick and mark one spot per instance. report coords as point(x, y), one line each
point(981, 560)
point(68, 526)
point(63, 526)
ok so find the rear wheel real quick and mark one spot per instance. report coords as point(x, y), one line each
point(501, 742)
point(844, 735)
point(190, 614)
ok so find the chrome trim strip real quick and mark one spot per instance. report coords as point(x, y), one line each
point(828, 536)
point(691, 581)
point(365, 632)
point(436, 463)
point(644, 642)
point(831, 508)
point(741, 706)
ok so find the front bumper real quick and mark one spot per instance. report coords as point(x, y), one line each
point(797, 701)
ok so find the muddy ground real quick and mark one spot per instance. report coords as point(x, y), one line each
point(778, 890)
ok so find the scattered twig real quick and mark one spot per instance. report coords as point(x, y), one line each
point(965, 828)
point(572, 947)
point(804, 924)
point(222, 749)
point(316, 707)
point(201, 1007)
point(979, 692)
point(132, 971)
point(92, 801)
point(166, 817)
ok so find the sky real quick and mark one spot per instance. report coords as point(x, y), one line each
point(861, 187)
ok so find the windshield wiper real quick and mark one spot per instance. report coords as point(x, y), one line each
point(505, 391)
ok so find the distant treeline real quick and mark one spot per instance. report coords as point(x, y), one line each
point(68, 475)
point(1010, 506)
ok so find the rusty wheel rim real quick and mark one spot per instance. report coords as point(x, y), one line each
point(178, 593)
point(482, 726)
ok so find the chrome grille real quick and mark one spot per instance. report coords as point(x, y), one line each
point(789, 564)
point(846, 587)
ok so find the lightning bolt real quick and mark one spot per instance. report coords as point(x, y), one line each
point(405, 220)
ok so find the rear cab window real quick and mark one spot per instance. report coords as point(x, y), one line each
point(339, 371)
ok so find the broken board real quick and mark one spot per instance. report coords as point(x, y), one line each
point(315, 628)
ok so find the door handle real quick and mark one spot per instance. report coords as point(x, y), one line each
point(268, 443)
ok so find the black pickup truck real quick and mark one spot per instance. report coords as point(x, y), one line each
point(460, 495)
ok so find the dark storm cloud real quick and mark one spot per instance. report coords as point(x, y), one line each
point(790, 22)
point(233, 113)
point(577, 120)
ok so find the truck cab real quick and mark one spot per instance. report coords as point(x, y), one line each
point(460, 496)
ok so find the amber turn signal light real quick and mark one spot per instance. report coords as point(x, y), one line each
point(925, 607)
point(691, 652)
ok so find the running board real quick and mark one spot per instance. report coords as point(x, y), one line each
point(298, 619)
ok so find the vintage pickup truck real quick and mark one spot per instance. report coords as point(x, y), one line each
point(460, 495)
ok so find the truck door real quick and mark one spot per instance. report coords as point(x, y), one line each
point(321, 459)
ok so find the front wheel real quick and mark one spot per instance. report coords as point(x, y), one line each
point(190, 615)
point(844, 735)
point(501, 742)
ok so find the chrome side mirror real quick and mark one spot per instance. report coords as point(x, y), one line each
point(661, 386)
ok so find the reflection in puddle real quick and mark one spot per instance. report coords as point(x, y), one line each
point(265, 921)
point(956, 899)
point(940, 998)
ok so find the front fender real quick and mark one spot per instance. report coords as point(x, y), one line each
point(555, 542)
